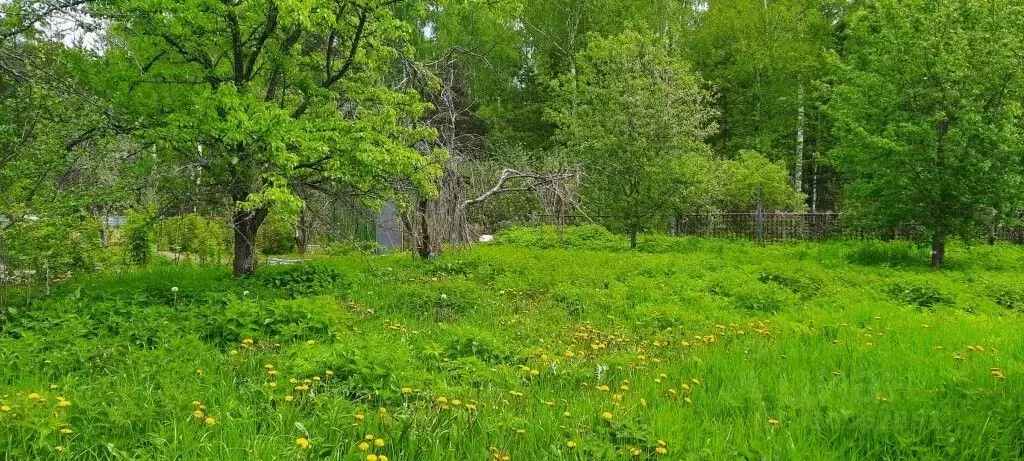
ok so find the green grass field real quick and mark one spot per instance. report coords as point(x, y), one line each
point(687, 349)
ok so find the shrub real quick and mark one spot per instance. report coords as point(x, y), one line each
point(277, 235)
point(206, 238)
point(923, 297)
point(306, 279)
point(138, 236)
point(587, 237)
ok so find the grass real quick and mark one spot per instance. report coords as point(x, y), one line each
point(708, 350)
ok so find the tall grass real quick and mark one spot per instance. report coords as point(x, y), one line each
point(709, 350)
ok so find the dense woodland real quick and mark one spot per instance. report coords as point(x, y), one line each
point(239, 120)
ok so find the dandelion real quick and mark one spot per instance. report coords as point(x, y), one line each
point(442, 400)
point(174, 289)
point(210, 420)
point(302, 443)
point(774, 422)
point(34, 396)
point(67, 431)
point(661, 450)
point(359, 416)
point(59, 449)
point(567, 414)
point(5, 408)
point(382, 458)
point(63, 402)
point(570, 444)
point(368, 437)
point(288, 398)
point(607, 416)
point(372, 457)
point(406, 390)
point(378, 443)
point(363, 446)
point(198, 414)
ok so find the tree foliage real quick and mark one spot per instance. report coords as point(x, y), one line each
point(265, 96)
point(628, 112)
point(928, 114)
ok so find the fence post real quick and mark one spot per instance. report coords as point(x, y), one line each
point(759, 221)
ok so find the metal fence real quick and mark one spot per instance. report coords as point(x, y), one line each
point(792, 226)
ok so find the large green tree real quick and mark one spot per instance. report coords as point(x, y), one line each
point(928, 114)
point(262, 97)
point(627, 113)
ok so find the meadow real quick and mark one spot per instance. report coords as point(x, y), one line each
point(529, 348)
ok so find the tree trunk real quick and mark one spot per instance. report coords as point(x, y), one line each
point(938, 250)
point(798, 167)
point(246, 224)
point(424, 241)
point(303, 232)
point(632, 239)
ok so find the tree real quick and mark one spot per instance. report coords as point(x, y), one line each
point(627, 113)
point(764, 59)
point(265, 96)
point(928, 114)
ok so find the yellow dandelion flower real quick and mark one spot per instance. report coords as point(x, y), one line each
point(570, 444)
point(302, 443)
point(607, 415)
point(67, 431)
point(372, 457)
point(406, 390)
point(363, 446)
point(378, 443)
point(5, 408)
point(210, 420)
point(661, 450)
point(288, 398)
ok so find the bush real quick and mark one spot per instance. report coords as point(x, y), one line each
point(923, 297)
point(277, 235)
point(138, 236)
point(588, 237)
point(306, 279)
point(206, 238)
